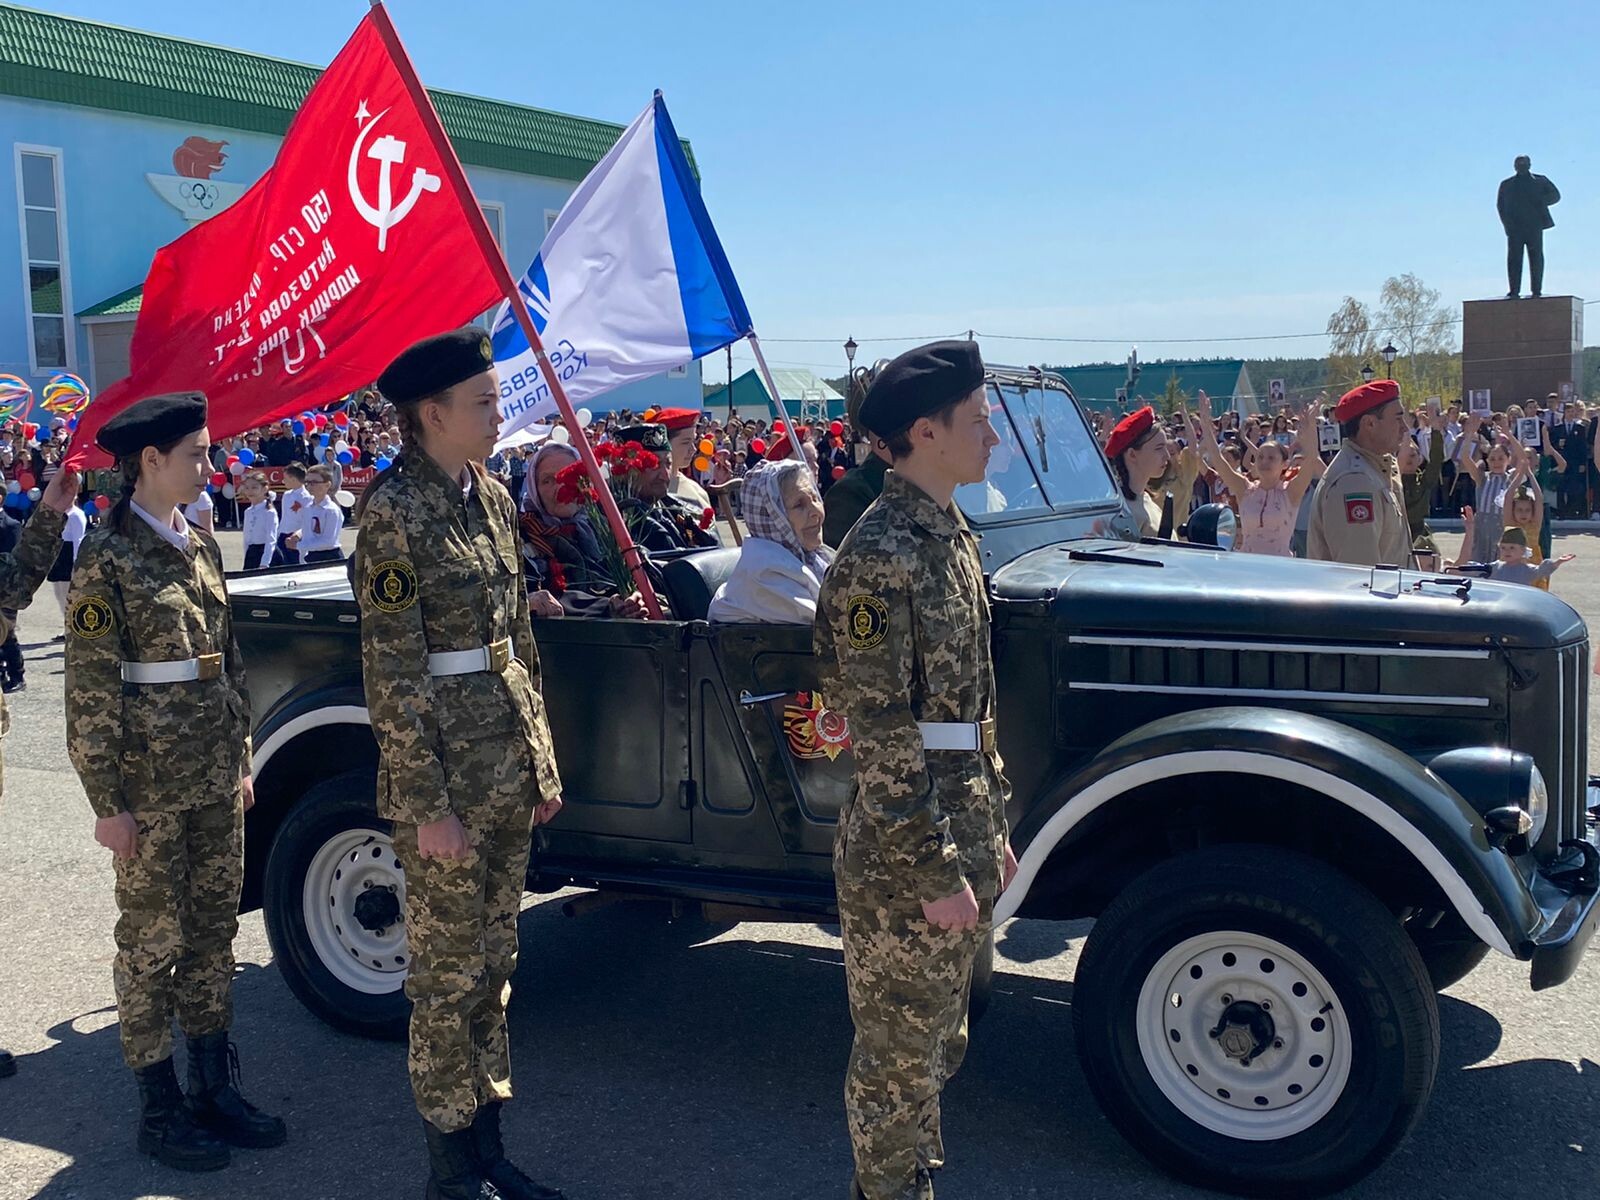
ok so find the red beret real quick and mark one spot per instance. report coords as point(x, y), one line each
point(677, 418)
point(1129, 430)
point(1365, 398)
point(782, 448)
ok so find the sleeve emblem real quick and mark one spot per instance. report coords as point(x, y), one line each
point(90, 618)
point(392, 586)
point(869, 622)
point(1358, 509)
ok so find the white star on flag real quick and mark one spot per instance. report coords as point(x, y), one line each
point(361, 112)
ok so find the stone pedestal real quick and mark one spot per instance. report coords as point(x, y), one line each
point(1521, 349)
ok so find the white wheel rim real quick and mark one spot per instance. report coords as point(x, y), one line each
point(351, 863)
point(1292, 1085)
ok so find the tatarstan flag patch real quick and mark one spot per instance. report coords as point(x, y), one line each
point(1358, 509)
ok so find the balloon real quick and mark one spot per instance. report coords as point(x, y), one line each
point(227, 491)
point(648, 415)
point(13, 488)
point(15, 396)
point(232, 459)
point(218, 479)
point(584, 417)
point(320, 421)
point(237, 468)
point(322, 442)
point(559, 435)
point(836, 428)
point(707, 446)
point(344, 499)
point(758, 445)
point(702, 463)
point(34, 494)
point(299, 428)
point(247, 456)
point(838, 472)
point(777, 427)
point(102, 502)
point(341, 446)
point(341, 419)
point(29, 431)
point(65, 394)
point(383, 464)
point(344, 458)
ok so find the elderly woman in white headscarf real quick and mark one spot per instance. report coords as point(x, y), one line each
point(782, 562)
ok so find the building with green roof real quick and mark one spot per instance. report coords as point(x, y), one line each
point(1226, 381)
point(121, 140)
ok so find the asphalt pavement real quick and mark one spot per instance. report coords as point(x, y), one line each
point(658, 1060)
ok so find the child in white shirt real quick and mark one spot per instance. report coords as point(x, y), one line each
point(321, 521)
point(260, 520)
point(295, 501)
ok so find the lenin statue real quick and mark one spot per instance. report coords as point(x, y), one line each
point(1524, 205)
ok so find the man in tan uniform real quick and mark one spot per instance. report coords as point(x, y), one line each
point(1359, 513)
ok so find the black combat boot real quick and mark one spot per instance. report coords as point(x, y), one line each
point(214, 1100)
point(8, 1065)
point(165, 1129)
point(511, 1183)
point(453, 1172)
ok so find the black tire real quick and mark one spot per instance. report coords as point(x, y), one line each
point(1449, 949)
point(1336, 927)
point(982, 990)
point(342, 805)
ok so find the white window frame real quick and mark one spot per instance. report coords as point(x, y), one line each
point(498, 225)
point(550, 215)
point(69, 322)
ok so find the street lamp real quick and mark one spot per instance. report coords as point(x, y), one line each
point(1388, 353)
point(1367, 372)
point(850, 349)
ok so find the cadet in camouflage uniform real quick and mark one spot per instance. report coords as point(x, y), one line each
point(922, 849)
point(845, 501)
point(467, 763)
point(21, 573)
point(158, 727)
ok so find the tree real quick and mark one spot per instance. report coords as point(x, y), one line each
point(1411, 317)
point(1173, 398)
point(1351, 342)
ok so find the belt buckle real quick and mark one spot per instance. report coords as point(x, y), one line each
point(500, 656)
point(210, 666)
point(986, 738)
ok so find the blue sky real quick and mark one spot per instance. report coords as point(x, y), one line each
point(1136, 172)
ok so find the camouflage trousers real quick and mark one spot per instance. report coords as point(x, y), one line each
point(461, 927)
point(179, 902)
point(908, 983)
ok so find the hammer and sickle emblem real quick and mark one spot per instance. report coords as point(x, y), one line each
point(390, 152)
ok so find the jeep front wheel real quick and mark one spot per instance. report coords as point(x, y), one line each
point(334, 906)
point(1255, 1022)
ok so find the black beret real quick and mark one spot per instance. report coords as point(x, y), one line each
point(651, 437)
point(920, 382)
point(436, 363)
point(153, 421)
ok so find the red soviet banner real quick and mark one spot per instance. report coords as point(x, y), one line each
point(355, 244)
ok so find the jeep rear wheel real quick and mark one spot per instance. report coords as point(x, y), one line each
point(1256, 1022)
point(334, 906)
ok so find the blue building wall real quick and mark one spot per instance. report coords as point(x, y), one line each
point(115, 221)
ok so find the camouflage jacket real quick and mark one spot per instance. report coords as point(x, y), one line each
point(436, 571)
point(159, 747)
point(903, 633)
point(846, 500)
point(23, 571)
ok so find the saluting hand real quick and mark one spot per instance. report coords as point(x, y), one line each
point(953, 912)
point(444, 839)
point(118, 834)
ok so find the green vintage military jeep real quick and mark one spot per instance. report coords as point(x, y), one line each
point(1297, 798)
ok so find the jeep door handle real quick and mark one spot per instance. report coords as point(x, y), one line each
point(749, 701)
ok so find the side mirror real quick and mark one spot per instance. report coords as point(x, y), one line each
point(1211, 525)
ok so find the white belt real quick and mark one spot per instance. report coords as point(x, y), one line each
point(494, 657)
point(957, 735)
point(184, 670)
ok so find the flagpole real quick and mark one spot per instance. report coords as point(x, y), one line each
point(631, 553)
point(773, 400)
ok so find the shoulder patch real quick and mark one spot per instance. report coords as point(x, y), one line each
point(90, 618)
point(392, 586)
point(1358, 508)
point(869, 621)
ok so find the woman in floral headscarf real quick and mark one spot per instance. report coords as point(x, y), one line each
point(781, 565)
point(565, 565)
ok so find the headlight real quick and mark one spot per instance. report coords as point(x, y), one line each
point(1537, 804)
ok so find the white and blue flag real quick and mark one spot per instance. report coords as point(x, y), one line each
point(631, 281)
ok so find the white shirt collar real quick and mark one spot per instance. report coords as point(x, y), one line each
point(167, 529)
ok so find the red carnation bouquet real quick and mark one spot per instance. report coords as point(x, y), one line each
point(623, 463)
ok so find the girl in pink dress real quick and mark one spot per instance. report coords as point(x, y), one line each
point(1268, 503)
